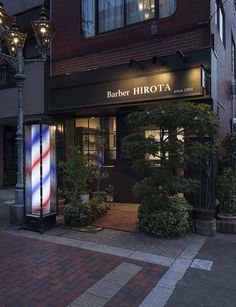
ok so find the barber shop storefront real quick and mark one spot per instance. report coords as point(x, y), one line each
point(84, 103)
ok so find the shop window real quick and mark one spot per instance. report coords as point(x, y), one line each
point(233, 56)
point(156, 135)
point(220, 19)
point(97, 138)
point(99, 16)
point(162, 136)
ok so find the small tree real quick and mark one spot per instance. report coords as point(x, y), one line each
point(226, 184)
point(76, 175)
point(229, 152)
point(98, 174)
point(182, 127)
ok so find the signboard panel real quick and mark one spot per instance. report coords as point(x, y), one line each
point(168, 85)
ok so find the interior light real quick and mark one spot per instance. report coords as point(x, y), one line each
point(140, 6)
point(43, 30)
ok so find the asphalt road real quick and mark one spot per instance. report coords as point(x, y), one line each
point(214, 288)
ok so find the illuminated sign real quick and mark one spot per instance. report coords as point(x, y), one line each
point(149, 87)
point(40, 169)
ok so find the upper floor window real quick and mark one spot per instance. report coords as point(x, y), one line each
point(233, 57)
point(220, 20)
point(7, 76)
point(99, 16)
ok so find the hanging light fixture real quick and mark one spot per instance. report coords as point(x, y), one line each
point(15, 39)
point(5, 22)
point(43, 31)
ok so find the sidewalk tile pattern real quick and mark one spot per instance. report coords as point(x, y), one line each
point(40, 273)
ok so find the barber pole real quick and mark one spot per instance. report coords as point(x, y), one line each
point(40, 168)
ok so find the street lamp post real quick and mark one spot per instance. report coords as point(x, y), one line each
point(15, 41)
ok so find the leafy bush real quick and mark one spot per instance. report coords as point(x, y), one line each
point(77, 215)
point(226, 183)
point(162, 160)
point(165, 217)
point(97, 207)
point(226, 192)
point(80, 215)
point(229, 154)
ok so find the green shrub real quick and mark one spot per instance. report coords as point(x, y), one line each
point(174, 149)
point(97, 207)
point(77, 215)
point(166, 217)
point(75, 174)
point(226, 191)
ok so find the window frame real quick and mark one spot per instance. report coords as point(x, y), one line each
point(233, 55)
point(126, 25)
point(156, 161)
point(220, 8)
point(7, 76)
point(108, 162)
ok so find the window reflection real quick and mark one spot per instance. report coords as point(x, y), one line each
point(97, 135)
point(99, 16)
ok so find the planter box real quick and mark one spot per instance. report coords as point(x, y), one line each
point(84, 198)
point(205, 228)
point(226, 224)
point(101, 195)
point(227, 218)
point(109, 198)
point(226, 227)
point(203, 214)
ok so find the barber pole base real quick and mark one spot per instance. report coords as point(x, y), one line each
point(40, 224)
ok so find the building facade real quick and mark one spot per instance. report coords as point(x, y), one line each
point(110, 58)
point(114, 57)
point(25, 11)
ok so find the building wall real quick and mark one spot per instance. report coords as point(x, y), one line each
point(224, 78)
point(189, 29)
point(1, 157)
point(72, 52)
point(33, 94)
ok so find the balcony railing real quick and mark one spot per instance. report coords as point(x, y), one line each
point(6, 76)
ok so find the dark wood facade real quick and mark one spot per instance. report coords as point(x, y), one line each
point(80, 65)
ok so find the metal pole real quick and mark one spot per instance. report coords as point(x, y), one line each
point(17, 210)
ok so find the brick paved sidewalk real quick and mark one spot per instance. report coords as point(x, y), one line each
point(39, 273)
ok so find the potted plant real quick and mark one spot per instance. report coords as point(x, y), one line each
point(76, 175)
point(110, 193)
point(226, 187)
point(205, 209)
point(98, 175)
point(84, 197)
point(226, 192)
